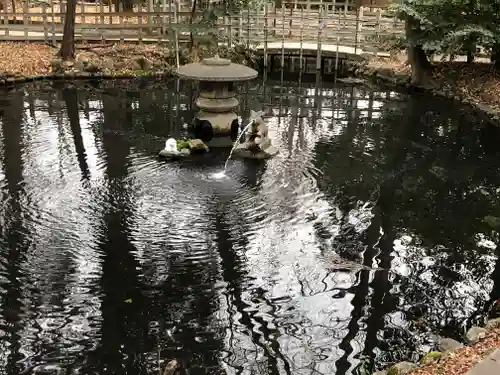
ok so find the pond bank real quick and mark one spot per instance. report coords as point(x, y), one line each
point(477, 84)
point(24, 62)
point(454, 357)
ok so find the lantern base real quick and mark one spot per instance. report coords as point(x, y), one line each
point(209, 124)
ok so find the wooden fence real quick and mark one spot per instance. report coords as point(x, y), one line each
point(320, 22)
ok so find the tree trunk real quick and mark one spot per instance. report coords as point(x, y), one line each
point(13, 10)
point(495, 56)
point(470, 56)
point(417, 58)
point(471, 49)
point(67, 51)
point(71, 100)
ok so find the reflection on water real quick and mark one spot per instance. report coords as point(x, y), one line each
point(343, 253)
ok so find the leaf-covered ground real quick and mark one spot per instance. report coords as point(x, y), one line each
point(21, 59)
point(25, 59)
point(18, 59)
point(462, 360)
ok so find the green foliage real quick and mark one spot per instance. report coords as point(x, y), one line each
point(182, 144)
point(451, 26)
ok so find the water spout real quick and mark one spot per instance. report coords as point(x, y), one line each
point(236, 143)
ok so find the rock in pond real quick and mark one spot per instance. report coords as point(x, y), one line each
point(401, 368)
point(474, 334)
point(446, 345)
point(197, 146)
point(245, 152)
point(352, 80)
point(174, 155)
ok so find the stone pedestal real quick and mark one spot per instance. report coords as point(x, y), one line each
point(248, 151)
point(217, 104)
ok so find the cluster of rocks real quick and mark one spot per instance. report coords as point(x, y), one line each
point(444, 347)
point(113, 63)
point(88, 62)
point(381, 75)
point(183, 148)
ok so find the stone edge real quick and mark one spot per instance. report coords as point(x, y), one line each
point(394, 370)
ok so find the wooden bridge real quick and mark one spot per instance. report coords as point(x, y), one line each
point(298, 28)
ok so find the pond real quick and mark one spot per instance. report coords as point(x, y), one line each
point(371, 231)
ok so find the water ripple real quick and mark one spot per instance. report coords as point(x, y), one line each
point(110, 258)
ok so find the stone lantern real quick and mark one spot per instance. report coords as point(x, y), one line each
point(217, 101)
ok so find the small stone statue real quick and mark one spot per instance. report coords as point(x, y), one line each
point(171, 145)
point(258, 130)
point(171, 150)
point(257, 144)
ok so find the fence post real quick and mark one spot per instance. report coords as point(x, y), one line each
point(265, 35)
point(282, 37)
point(82, 18)
point(359, 25)
point(338, 45)
point(249, 28)
point(120, 18)
point(150, 17)
point(62, 11)
point(101, 16)
point(240, 28)
point(301, 52)
point(320, 35)
point(170, 29)
point(6, 18)
point(163, 19)
point(139, 21)
point(377, 30)
point(26, 11)
point(53, 23)
point(176, 33)
point(45, 23)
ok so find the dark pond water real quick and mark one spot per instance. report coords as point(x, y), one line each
point(112, 262)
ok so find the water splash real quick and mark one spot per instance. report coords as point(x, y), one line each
point(218, 175)
point(236, 144)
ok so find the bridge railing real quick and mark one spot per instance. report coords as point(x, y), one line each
point(308, 22)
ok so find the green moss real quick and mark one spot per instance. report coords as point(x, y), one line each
point(394, 370)
point(430, 357)
point(182, 144)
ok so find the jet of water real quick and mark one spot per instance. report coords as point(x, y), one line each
point(236, 143)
